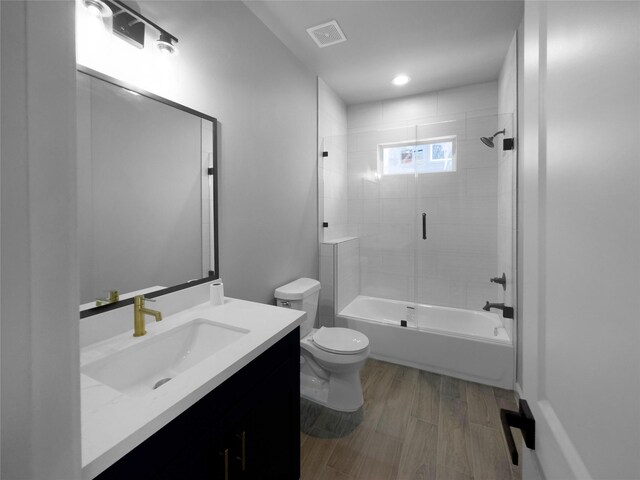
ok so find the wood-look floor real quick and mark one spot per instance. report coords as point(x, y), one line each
point(417, 425)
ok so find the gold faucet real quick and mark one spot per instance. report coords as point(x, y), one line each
point(113, 297)
point(139, 311)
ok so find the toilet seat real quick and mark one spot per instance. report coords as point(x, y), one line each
point(342, 341)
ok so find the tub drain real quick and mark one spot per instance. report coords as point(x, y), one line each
point(161, 382)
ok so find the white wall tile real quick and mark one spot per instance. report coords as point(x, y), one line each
point(505, 231)
point(482, 126)
point(480, 293)
point(482, 181)
point(469, 98)
point(409, 108)
point(473, 154)
point(364, 115)
point(393, 287)
point(397, 186)
point(348, 274)
point(442, 127)
point(333, 185)
point(396, 210)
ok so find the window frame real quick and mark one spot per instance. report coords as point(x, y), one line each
point(427, 141)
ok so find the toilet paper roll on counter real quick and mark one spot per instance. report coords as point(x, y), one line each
point(216, 293)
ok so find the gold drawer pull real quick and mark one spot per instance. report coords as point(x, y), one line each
point(243, 458)
point(226, 463)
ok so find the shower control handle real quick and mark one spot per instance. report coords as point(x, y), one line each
point(500, 280)
point(424, 226)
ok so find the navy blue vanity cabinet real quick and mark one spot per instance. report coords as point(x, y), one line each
point(247, 428)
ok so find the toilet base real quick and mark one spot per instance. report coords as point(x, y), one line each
point(314, 388)
point(323, 422)
point(342, 392)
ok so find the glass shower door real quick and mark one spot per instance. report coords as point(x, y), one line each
point(456, 212)
point(381, 206)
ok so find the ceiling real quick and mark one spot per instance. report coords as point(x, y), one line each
point(439, 44)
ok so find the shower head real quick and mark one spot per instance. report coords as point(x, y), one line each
point(488, 141)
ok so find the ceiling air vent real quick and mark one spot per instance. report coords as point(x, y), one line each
point(327, 34)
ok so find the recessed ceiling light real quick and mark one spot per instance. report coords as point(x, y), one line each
point(400, 80)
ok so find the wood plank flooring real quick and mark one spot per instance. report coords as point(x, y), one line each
point(417, 425)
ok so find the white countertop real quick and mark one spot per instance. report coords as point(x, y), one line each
point(114, 423)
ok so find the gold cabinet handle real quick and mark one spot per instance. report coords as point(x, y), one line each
point(243, 458)
point(226, 463)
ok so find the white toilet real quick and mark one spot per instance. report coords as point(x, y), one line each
point(331, 358)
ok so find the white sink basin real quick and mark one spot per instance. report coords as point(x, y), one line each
point(139, 368)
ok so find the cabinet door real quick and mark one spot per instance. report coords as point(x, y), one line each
point(197, 461)
point(271, 428)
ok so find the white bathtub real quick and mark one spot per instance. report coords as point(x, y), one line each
point(460, 343)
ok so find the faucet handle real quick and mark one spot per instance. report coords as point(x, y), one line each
point(500, 280)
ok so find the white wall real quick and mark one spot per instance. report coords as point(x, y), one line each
point(231, 67)
point(581, 235)
point(453, 266)
point(39, 310)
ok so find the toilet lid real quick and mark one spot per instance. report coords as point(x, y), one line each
point(340, 340)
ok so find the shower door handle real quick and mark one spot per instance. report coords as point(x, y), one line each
point(424, 226)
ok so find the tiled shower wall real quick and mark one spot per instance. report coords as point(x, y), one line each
point(507, 171)
point(326, 301)
point(340, 269)
point(332, 191)
point(332, 170)
point(452, 267)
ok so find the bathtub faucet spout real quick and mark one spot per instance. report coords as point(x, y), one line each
point(507, 312)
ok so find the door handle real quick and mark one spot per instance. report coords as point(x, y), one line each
point(522, 419)
point(424, 226)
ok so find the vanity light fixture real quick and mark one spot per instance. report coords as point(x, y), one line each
point(165, 45)
point(97, 8)
point(400, 80)
point(130, 25)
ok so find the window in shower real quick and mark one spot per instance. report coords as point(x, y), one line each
point(424, 156)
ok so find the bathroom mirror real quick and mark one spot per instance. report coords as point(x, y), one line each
point(146, 193)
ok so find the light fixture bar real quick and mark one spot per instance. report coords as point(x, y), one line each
point(118, 7)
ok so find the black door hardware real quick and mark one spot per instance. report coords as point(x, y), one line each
point(501, 280)
point(424, 226)
point(507, 144)
point(325, 154)
point(507, 312)
point(522, 419)
point(325, 224)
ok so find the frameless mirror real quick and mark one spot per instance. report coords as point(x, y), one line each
point(146, 193)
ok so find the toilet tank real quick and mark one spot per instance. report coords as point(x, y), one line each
point(301, 294)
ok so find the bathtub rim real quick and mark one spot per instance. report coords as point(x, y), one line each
point(494, 341)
